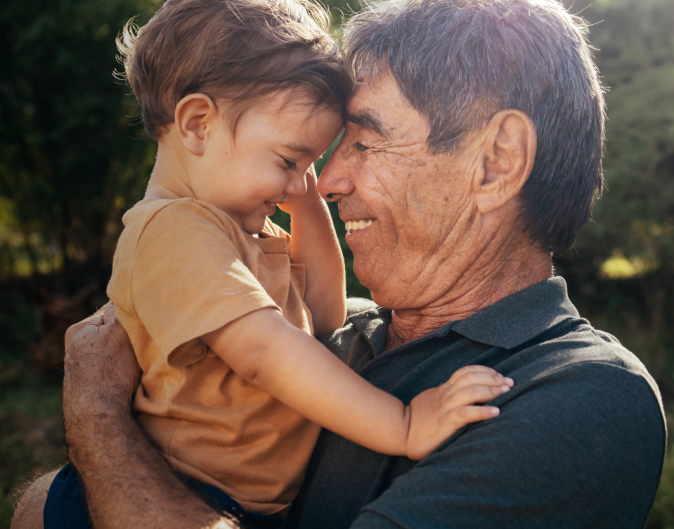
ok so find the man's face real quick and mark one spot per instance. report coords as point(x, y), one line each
point(416, 206)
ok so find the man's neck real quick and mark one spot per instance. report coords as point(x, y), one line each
point(495, 276)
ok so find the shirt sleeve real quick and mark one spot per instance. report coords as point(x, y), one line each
point(189, 279)
point(578, 449)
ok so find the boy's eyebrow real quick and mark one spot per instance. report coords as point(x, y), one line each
point(368, 120)
point(298, 147)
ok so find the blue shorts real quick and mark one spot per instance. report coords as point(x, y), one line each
point(65, 507)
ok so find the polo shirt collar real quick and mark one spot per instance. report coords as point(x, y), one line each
point(506, 324)
point(520, 317)
point(373, 326)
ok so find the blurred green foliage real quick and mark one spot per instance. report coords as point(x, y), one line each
point(621, 271)
point(71, 152)
point(73, 158)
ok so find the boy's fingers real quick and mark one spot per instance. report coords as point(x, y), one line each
point(468, 414)
point(469, 369)
point(473, 394)
point(485, 378)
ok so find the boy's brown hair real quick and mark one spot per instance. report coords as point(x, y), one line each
point(239, 50)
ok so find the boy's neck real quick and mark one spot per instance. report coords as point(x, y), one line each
point(169, 177)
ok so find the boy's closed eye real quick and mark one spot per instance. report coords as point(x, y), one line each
point(289, 164)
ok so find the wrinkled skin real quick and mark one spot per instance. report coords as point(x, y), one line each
point(438, 249)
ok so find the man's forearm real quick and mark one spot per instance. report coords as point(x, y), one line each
point(119, 467)
point(127, 482)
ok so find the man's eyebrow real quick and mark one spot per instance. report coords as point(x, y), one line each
point(369, 121)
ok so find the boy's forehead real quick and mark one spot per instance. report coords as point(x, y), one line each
point(298, 123)
point(289, 110)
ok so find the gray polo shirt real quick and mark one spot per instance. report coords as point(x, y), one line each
point(579, 442)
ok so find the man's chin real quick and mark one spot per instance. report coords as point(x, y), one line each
point(385, 288)
point(367, 275)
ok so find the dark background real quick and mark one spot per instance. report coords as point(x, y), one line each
point(73, 158)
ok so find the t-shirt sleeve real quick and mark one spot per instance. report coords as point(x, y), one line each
point(188, 279)
point(578, 451)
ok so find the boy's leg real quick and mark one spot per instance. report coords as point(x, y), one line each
point(65, 507)
point(29, 511)
point(222, 502)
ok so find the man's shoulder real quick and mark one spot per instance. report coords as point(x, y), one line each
point(576, 348)
point(591, 385)
point(581, 425)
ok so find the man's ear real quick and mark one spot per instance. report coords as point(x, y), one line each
point(195, 116)
point(509, 152)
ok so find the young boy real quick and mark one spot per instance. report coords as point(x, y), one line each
point(219, 303)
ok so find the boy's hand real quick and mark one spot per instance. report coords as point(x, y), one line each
point(439, 412)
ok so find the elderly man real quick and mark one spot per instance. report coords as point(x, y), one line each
point(471, 155)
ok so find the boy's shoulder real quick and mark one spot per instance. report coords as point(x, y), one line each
point(157, 228)
point(184, 211)
point(186, 240)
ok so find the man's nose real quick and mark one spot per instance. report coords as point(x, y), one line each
point(336, 178)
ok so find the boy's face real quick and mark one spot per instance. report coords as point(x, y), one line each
point(265, 161)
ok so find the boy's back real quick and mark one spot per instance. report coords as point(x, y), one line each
point(182, 269)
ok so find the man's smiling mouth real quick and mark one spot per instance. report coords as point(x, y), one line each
point(355, 225)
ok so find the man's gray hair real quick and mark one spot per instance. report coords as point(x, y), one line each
point(458, 62)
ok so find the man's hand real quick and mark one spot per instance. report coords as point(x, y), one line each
point(101, 371)
point(127, 483)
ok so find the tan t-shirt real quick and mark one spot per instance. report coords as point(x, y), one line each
point(182, 269)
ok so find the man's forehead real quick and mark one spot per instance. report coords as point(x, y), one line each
point(369, 119)
point(370, 87)
point(379, 105)
point(368, 105)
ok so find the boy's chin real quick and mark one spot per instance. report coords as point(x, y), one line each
point(254, 226)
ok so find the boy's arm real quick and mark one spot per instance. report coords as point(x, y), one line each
point(314, 243)
point(300, 372)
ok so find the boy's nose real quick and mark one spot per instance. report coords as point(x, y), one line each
point(298, 185)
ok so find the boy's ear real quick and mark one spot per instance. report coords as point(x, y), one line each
point(195, 116)
point(509, 151)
